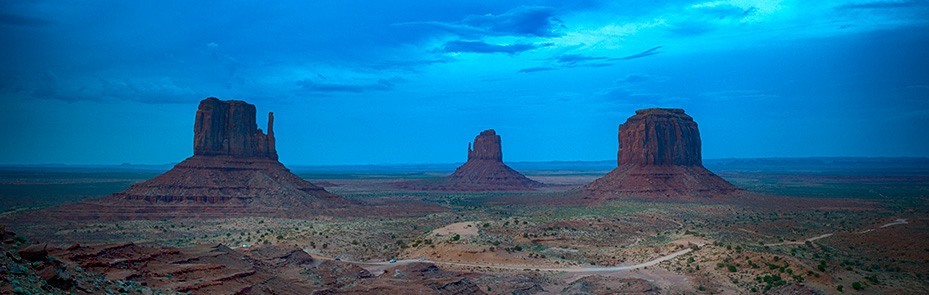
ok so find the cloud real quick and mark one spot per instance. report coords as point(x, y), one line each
point(482, 47)
point(21, 20)
point(579, 60)
point(154, 90)
point(572, 59)
point(884, 5)
point(536, 69)
point(520, 21)
point(649, 52)
point(529, 21)
point(329, 87)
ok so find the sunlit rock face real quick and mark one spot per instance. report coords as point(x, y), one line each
point(484, 170)
point(659, 156)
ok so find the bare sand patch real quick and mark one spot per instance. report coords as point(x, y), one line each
point(464, 229)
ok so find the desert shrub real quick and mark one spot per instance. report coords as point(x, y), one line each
point(857, 286)
point(732, 268)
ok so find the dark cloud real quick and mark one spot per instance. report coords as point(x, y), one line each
point(571, 59)
point(527, 21)
point(157, 90)
point(651, 51)
point(884, 4)
point(579, 60)
point(21, 20)
point(324, 86)
point(536, 69)
point(482, 47)
point(521, 21)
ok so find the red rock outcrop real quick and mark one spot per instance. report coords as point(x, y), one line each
point(659, 156)
point(234, 170)
point(484, 171)
point(486, 147)
point(659, 137)
point(218, 269)
point(229, 128)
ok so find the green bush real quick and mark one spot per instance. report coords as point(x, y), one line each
point(857, 286)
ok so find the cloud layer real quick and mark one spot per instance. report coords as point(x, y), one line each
point(437, 70)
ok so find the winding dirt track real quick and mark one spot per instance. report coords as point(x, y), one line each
point(592, 269)
point(896, 222)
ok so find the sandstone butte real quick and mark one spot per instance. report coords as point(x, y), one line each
point(484, 171)
point(660, 156)
point(234, 170)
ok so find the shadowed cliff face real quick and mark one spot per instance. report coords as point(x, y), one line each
point(228, 128)
point(659, 137)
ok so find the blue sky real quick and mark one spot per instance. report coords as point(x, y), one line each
point(381, 82)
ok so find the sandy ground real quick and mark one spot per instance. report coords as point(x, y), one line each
point(464, 229)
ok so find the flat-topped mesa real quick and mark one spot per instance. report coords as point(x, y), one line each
point(659, 156)
point(659, 137)
point(229, 128)
point(486, 147)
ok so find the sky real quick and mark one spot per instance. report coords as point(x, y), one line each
point(391, 82)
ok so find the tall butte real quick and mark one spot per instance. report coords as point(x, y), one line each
point(234, 170)
point(484, 171)
point(659, 156)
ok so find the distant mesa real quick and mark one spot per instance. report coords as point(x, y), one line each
point(234, 170)
point(659, 156)
point(484, 171)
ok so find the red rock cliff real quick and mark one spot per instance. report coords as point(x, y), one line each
point(229, 128)
point(486, 147)
point(659, 137)
point(659, 156)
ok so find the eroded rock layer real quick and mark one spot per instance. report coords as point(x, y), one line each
point(218, 269)
point(484, 171)
point(659, 156)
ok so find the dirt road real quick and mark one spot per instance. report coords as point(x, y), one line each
point(381, 265)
